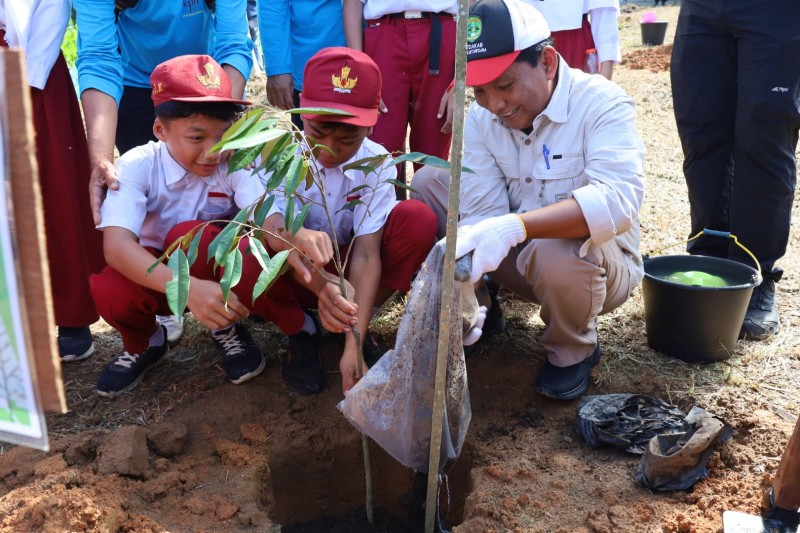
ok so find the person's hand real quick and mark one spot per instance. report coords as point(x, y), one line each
point(446, 107)
point(489, 240)
point(348, 366)
point(280, 90)
point(337, 313)
point(474, 334)
point(382, 108)
point(308, 247)
point(103, 176)
point(208, 306)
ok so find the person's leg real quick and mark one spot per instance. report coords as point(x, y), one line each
point(278, 305)
point(703, 73)
point(572, 44)
point(74, 246)
point(428, 88)
point(767, 122)
point(386, 42)
point(431, 186)
point(131, 309)
point(408, 236)
point(572, 291)
point(135, 119)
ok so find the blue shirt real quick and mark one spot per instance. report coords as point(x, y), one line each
point(112, 54)
point(294, 30)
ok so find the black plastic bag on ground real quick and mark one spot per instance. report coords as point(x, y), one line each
point(678, 460)
point(626, 421)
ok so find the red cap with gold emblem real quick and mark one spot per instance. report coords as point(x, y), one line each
point(344, 79)
point(191, 78)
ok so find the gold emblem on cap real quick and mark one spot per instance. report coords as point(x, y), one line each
point(343, 83)
point(210, 80)
point(158, 88)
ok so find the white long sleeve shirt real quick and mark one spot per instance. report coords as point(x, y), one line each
point(583, 145)
point(568, 15)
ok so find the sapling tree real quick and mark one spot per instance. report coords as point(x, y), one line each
point(262, 142)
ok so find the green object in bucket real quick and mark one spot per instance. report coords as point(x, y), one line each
point(697, 278)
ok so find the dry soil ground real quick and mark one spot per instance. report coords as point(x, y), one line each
point(189, 452)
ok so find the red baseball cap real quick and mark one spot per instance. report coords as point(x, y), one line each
point(345, 79)
point(497, 31)
point(191, 78)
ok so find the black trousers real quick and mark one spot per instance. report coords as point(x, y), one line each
point(736, 91)
point(135, 119)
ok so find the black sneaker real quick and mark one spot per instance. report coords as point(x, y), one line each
point(127, 370)
point(779, 520)
point(241, 358)
point(761, 320)
point(75, 344)
point(566, 382)
point(495, 322)
point(302, 366)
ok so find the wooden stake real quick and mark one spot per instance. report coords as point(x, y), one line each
point(448, 275)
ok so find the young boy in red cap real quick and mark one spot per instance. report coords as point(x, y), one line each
point(167, 188)
point(390, 238)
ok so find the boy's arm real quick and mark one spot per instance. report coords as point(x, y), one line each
point(124, 254)
point(365, 273)
point(337, 314)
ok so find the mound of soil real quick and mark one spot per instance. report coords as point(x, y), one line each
point(654, 59)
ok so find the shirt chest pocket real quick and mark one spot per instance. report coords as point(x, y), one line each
point(219, 206)
point(556, 183)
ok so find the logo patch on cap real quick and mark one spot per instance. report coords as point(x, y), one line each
point(210, 80)
point(474, 28)
point(343, 83)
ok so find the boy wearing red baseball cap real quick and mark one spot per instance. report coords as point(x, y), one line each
point(167, 188)
point(389, 238)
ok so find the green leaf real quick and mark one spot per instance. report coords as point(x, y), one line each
point(354, 190)
point(177, 289)
point(233, 272)
point(242, 158)
point(319, 111)
point(296, 172)
point(423, 159)
point(270, 274)
point(260, 252)
point(287, 156)
point(350, 204)
point(400, 184)
point(155, 265)
point(238, 128)
point(300, 218)
point(246, 141)
point(372, 163)
point(221, 244)
point(272, 150)
point(288, 215)
point(192, 253)
point(262, 209)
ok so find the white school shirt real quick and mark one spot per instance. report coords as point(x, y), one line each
point(568, 15)
point(156, 193)
point(38, 27)
point(378, 199)
point(374, 9)
point(584, 145)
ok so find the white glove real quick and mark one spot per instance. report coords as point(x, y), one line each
point(474, 334)
point(489, 240)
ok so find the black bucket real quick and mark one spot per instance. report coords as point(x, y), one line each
point(692, 323)
point(653, 33)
